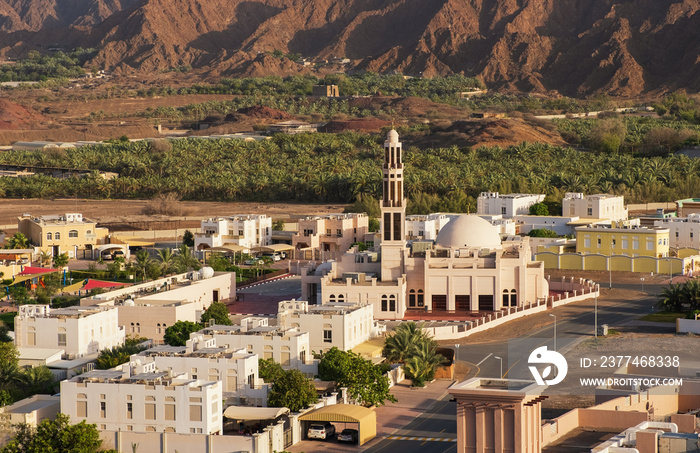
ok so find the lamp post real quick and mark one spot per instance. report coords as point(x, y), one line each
point(610, 272)
point(555, 330)
point(501, 361)
point(456, 356)
point(642, 284)
point(670, 271)
point(595, 315)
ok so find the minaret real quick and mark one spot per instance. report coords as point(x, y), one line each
point(393, 207)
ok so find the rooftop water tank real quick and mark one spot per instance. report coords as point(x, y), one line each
point(206, 272)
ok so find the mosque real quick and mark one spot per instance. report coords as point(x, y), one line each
point(467, 269)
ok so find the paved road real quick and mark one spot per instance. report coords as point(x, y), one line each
point(434, 431)
point(287, 286)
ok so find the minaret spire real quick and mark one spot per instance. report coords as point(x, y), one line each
point(393, 207)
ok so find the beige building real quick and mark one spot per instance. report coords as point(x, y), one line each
point(684, 232)
point(326, 91)
point(236, 369)
point(149, 319)
point(288, 347)
point(246, 231)
point(68, 233)
point(79, 330)
point(335, 324)
point(117, 400)
point(687, 206)
point(498, 416)
point(329, 236)
point(599, 206)
point(467, 269)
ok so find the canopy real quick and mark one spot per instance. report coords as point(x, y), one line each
point(347, 413)
point(229, 248)
point(88, 284)
point(245, 413)
point(275, 248)
point(138, 242)
point(28, 270)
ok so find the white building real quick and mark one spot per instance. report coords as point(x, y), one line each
point(330, 235)
point(506, 205)
point(335, 324)
point(560, 225)
point(151, 401)
point(79, 331)
point(248, 231)
point(426, 227)
point(600, 206)
point(683, 232)
point(288, 347)
point(505, 227)
point(236, 369)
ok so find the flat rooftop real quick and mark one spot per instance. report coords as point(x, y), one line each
point(32, 404)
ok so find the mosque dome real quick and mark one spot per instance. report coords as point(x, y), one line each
point(468, 231)
point(392, 136)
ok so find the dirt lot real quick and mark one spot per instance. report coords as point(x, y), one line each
point(130, 210)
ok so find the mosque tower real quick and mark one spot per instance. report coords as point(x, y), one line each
point(393, 207)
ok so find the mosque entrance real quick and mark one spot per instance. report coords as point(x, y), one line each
point(439, 302)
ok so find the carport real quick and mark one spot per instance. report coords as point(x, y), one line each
point(346, 413)
point(275, 248)
point(110, 247)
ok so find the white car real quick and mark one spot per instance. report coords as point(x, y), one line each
point(322, 430)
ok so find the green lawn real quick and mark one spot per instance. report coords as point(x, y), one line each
point(663, 316)
point(9, 319)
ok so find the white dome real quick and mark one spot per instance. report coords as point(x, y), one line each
point(206, 272)
point(468, 231)
point(129, 303)
point(392, 136)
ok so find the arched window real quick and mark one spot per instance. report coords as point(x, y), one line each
point(412, 298)
point(48, 236)
point(420, 298)
point(505, 298)
point(341, 298)
point(73, 234)
point(57, 235)
point(384, 303)
point(513, 298)
point(331, 298)
point(392, 303)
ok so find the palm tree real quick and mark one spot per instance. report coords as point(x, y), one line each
point(45, 258)
point(671, 298)
point(143, 261)
point(404, 342)
point(167, 260)
point(421, 366)
point(18, 241)
point(186, 259)
point(37, 380)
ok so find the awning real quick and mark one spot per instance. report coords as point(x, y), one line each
point(274, 248)
point(137, 242)
point(245, 413)
point(88, 284)
point(28, 270)
point(347, 413)
point(230, 248)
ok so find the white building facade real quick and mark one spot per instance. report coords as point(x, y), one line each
point(683, 232)
point(251, 230)
point(426, 227)
point(335, 324)
point(598, 206)
point(116, 400)
point(79, 331)
point(490, 203)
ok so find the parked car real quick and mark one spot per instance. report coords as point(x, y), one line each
point(273, 256)
point(323, 431)
point(348, 435)
point(117, 253)
point(251, 262)
point(107, 255)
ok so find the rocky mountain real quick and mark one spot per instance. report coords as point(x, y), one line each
point(576, 47)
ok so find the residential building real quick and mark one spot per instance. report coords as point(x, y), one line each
point(559, 224)
point(79, 330)
point(426, 227)
point(629, 241)
point(687, 206)
point(68, 233)
point(684, 232)
point(326, 237)
point(117, 400)
point(236, 369)
point(468, 268)
point(508, 206)
point(288, 347)
point(181, 297)
point(600, 206)
point(246, 231)
point(335, 324)
point(504, 227)
point(13, 260)
point(326, 91)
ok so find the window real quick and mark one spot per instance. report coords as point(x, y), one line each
point(240, 232)
point(150, 411)
point(308, 233)
point(328, 336)
point(599, 242)
point(412, 298)
point(625, 244)
point(81, 408)
point(195, 413)
point(503, 210)
point(48, 236)
point(103, 409)
point(587, 242)
point(61, 339)
point(420, 298)
point(384, 303)
point(635, 244)
point(392, 303)
point(57, 235)
point(129, 410)
point(339, 232)
point(302, 357)
point(691, 234)
point(613, 243)
point(328, 232)
point(650, 244)
point(513, 298)
point(170, 412)
point(590, 211)
point(73, 234)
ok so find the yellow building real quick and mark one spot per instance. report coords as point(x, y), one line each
point(629, 241)
point(58, 234)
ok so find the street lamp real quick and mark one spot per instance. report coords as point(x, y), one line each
point(501, 361)
point(555, 330)
point(670, 271)
point(610, 272)
point(642, 278)
point(595, 314)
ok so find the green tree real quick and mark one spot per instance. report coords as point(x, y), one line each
point(403, 342)
point(61, 260)
point(278, 225)
point(365, 381)
point(539, 209)
point(218, 312)
point(179, 333)
point(109, 358)
point(143, 262)
point(293, 390)
point(185, 259)
point(671, 298)
point(542, 233)
point(167, 260)
point(37, 380)
point(55, 436)
point(188, 238)
point(421, 366)
point(269, 370)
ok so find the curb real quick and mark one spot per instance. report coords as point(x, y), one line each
point(279, 277)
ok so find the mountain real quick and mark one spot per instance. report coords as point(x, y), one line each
point(575, 47)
